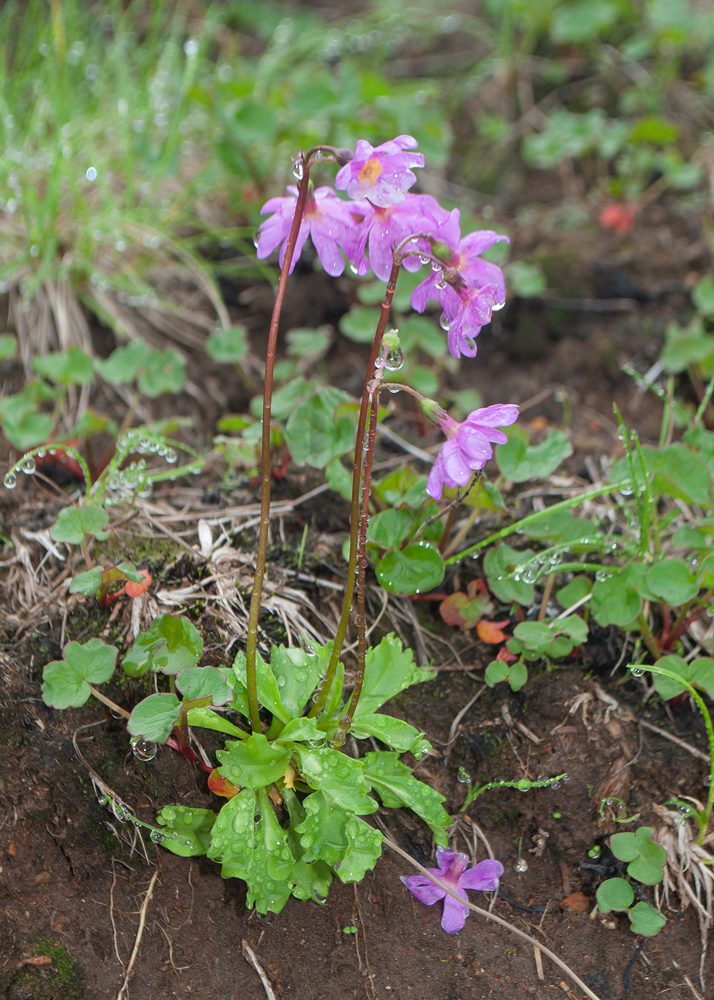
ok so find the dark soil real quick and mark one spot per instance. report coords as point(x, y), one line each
point(72, 878)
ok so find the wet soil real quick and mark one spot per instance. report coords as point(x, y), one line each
point(72, 878)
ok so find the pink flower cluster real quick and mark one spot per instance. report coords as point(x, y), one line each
point(366, 230)
point(381, 216)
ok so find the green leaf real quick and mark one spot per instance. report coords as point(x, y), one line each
point(312, 881)
point(253, 763)
point(164, 371)
point(414, 569)
point(8, 346)
point(673, 581)
point(359, 324)
point(314, 433)
point(204, 682)
point(74, 523)
point(625, 846)
point(364, 847)
point(536, 636)
point(560, 526)
point(155, 717)
point(339, 478)
point(297, 674)
point(65, 682)
point(304, 342)
point(322, 832)
point(614, 894)
point(389, 528)
point(188, 831)
point(396, 786)
point(526, 280)
point(268, 690)
point(389, 669)
point(583, 21)
point(25, 428)
point(396, 733)
point(258, 852)
point(703, 296)
point(574, 591)
point(654, 131)
point(207, 719)
point(675, 471)
point(70, 367)
point(499, 564)
point(646, 859)
point(618, 599)
point(338, 777)
point(170, 644)
point(228, 346)
point(646, 920)
point(302, 729)
point(123, 364)
point(496, 671)
point(519, 461)
point(87, 583)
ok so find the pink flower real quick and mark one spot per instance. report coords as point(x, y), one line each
point(468, 446)
point(385, 228)
point(381, 174)
point(332, 224)
point(454, 872)
point(468, 292)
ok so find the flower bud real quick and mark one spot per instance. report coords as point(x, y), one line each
point(343, 156)
point(390, 341)
point(432, 410)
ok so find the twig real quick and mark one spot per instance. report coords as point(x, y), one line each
point(675, 739)
point(538, 962)
point(250, 956)
point(111, 915)
point(495, 919)
point(459, 717)
point(140, 930)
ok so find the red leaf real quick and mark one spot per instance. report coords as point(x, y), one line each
point(137, 589)
point(618, 217)
point(491, 631)
point(505, 656)
point(222, 786)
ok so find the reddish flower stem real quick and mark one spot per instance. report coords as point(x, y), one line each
point(254, 613)
point(356, 483)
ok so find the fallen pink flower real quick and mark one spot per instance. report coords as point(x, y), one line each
point(453, 871)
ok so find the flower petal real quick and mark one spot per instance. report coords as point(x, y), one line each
point(423, 888)
point(455, 913)
point(484, 876)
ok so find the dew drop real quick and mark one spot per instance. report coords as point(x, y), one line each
point(637, 672)
point(444, 322)
point(10, 481)
point(497, 306)
point(521, 865)
point(626, 491)
point(143, 749)
point(394, 360)
point(297, 169)
point(157, 836)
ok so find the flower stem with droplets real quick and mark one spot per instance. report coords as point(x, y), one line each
point(356, 484)
point(363, 523)
point(254, 613)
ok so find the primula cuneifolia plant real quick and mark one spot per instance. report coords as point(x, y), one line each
point(293, 818)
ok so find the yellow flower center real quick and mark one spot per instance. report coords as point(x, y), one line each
point(371, 171)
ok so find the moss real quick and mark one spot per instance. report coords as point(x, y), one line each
point(151, 553)
point(64, 979)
